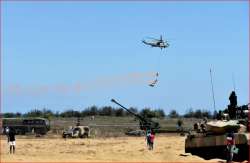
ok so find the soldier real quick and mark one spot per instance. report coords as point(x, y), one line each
point(148, 132)
point(152, 84)
point(233, 105)
point(196, 127)
point(12, 140)
point(203, 125)
point(233, 99)
point(231, 148)
point(152, 137)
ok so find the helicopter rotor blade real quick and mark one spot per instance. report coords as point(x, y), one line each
point(153, 38)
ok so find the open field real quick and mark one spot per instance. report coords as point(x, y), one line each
point(168, 147)
point(116, 126)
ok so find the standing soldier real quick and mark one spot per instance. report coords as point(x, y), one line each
point(12, 140)
point(232, 107)
point(152, 137)
point(148, 132)
point(231, 148)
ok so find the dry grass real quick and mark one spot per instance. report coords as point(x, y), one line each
point(167, 148)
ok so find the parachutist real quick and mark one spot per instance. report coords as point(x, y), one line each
point(153, 83)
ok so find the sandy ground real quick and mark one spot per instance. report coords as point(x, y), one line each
point(132, 149)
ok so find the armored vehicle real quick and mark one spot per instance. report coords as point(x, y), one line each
point(26, 125)
point(213, 145)
point(76, 132)
point(209, 140)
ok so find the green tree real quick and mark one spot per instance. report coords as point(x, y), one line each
point(70, 113)
point(159, 113)
point(119, 112)
point(8, 115)
point(146, 112)
point(34, 113)
point(173, 114)
point(46, 113)
point(106, 110)
point(93, 110)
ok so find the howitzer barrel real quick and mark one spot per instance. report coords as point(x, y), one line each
point(144, 123)
point(114, 101)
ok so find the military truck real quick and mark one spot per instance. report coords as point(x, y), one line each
point(26, 125)
point(209, 140)
point(76, 132)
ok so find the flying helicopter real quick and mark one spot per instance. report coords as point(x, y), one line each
point(160, 43)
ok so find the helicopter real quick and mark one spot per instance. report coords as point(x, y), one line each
point(156, 42)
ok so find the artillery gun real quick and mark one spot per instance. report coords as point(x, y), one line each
point(145, 123)
point(210, 142)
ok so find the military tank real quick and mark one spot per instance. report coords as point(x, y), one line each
point(209, 139)
point(211, 145)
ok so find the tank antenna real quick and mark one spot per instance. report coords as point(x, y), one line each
point(212, 87)
point(233, 81)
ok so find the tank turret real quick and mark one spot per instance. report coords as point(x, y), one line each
point(211, 141)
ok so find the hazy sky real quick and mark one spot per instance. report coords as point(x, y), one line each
point(71, 55)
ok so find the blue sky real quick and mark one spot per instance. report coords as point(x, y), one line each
point(49, 49)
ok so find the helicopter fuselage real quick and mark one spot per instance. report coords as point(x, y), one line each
point(156, 44)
